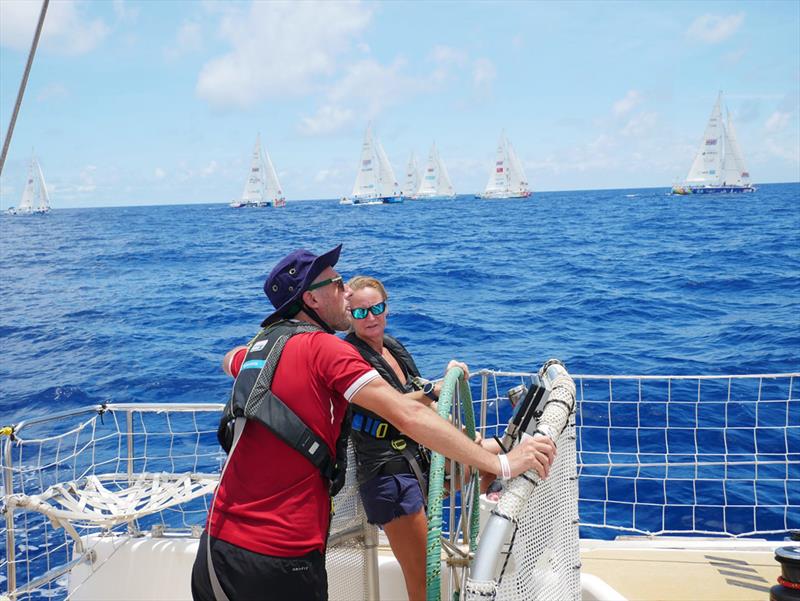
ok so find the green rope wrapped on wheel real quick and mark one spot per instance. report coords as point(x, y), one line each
point(453, 379)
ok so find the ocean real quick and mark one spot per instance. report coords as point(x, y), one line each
point(139, 304)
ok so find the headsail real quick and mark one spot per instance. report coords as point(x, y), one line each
point(44, 197)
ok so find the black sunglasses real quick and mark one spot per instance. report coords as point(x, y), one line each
point(362, 312)
point(337, 280)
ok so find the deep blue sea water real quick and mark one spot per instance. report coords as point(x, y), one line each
point(140, 303)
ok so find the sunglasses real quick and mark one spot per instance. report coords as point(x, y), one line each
point(337, 280)
point(362, 312)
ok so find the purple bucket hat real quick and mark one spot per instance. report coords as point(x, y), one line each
point(292, 276)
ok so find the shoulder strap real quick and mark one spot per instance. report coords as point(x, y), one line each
point(252, 397)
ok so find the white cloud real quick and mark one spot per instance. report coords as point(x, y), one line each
point(328, 119)
point(712, 29)
point(125, 12)
point(447, 55)
point(777, 122)
point(188, 40)
point(67, 29)
point(210, 169)
point(55, 91)
point(640, 124)
point(159, 173)
point(279, 49)
point(365, 91)
point(787, 152)
point(324, 175)
point(625, 105)
point(483, 73)
point(87, 179)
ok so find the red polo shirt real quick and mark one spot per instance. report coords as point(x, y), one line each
point(272, 500)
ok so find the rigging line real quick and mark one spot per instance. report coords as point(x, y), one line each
point(23, 84)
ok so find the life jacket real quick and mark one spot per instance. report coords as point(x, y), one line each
point(377, 442)
point(253, 399)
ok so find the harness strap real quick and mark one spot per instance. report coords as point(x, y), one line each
point(412, 462)
point(219, 593)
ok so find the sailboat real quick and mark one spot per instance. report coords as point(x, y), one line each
point(718, 166)
point(411, 184)
point(507, 178)
point(35, 199)
point(375, 182)
point(262, 188)
point(435, 182)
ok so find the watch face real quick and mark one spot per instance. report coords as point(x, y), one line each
point(427, 388)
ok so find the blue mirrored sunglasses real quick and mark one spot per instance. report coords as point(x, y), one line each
point(361, 312)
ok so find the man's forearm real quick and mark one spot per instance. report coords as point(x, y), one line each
point(424, 426)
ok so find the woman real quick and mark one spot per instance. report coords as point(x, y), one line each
point(389, 464)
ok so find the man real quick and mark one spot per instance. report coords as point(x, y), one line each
point(270, 517)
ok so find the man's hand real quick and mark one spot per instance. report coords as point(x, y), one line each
point(453, 363)
point(533, 452)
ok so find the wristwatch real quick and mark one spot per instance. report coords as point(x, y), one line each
point(426, 386)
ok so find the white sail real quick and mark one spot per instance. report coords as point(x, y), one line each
point(274, 193)
point(517, 180)
point(445, 185)
point(387, 182)
point(435, 182)
point(255, 186)
point(29, 193)
point(44, 197)
point(718, 165)
point(366, 184)
point(261, 188)
point(706, 169)
point(498, 176)
point(411, 184)
point(507, 178)
point(738, 172)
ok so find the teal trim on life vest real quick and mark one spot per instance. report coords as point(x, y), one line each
point(253, 364)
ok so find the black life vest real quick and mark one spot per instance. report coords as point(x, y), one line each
point(253, 399)
point(377, 442)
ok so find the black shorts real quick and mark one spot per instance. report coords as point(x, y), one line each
point(246, 575)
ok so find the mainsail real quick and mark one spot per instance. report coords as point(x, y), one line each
point(507, 178)
point(718, 165)
point(435, 182)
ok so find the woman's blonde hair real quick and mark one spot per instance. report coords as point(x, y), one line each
point(359, 282)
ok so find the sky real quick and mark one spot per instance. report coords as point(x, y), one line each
point(132, 103)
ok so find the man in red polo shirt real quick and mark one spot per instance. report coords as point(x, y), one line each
point(271, 513)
